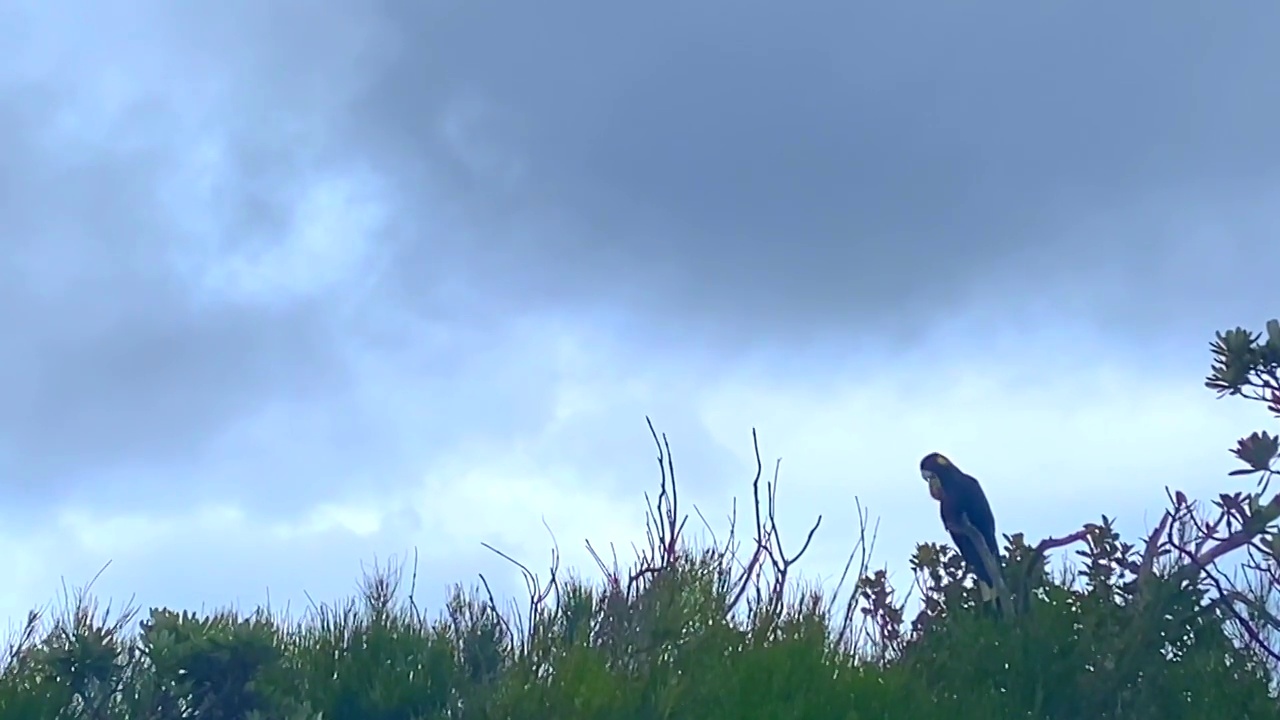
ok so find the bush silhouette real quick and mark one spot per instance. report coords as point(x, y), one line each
point(1177, 624)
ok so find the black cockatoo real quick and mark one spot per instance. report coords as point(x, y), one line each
point(960, 496)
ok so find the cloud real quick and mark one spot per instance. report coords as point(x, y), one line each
point(437, 253)
point(192, 285)
point(750, 173)
point(217, 557)
point(1056, 438)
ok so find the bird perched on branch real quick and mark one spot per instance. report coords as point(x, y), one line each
point(960, 497)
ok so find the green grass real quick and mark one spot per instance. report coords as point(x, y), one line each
point(670, 651)
point(699, 634)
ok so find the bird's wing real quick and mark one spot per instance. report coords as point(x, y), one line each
point(973, 502)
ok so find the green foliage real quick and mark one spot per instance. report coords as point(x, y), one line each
point(1073, 654)
point(1149, 629)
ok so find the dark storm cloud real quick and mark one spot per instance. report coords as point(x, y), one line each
point(138, 160)
point(779, 168)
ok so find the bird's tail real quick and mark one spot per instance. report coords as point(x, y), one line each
point(987, 592)
point(989, 596)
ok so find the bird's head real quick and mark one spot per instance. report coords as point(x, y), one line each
point(932, 467)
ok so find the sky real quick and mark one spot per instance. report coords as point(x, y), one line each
point(292, 286)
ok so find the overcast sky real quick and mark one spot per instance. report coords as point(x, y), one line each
point(288, 285)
